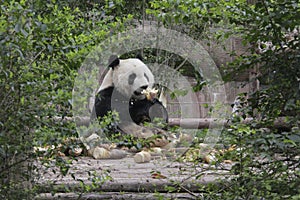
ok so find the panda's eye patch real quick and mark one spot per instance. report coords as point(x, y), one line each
point(131, 78)
point(146, 77)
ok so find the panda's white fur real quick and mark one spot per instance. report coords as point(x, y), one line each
point(118, 77)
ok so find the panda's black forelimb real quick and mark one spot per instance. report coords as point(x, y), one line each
point(103, 102)
point(146, 110)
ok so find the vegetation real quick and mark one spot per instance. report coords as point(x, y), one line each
point(267, 161)
point(43, 44)
point(42, 47)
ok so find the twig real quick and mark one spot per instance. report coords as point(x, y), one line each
point(37, 55)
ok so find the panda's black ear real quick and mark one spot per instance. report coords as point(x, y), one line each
point(113, 61)
point(139, 56)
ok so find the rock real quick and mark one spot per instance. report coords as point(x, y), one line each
point(91, 141)
point(104, 153)
point(99, 153)
point(117, 154)
point(156, 151)
point(142, 157)
point(92, 138)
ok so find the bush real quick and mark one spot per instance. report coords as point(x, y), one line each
point(42, 46)
point(267, 161)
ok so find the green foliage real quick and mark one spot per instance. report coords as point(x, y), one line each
point(109, 126)
point(267, 158)
point(193, 17)
point(276, 23)
point(138, 143)
point(43, 44)
point(109, 123)
point(266, 163)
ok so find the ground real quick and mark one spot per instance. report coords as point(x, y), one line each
point(125, 179)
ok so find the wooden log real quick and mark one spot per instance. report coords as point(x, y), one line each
point(201, 123)
point(117, 195)
point(194, 123)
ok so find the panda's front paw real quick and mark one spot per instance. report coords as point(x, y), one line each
point(160, 137)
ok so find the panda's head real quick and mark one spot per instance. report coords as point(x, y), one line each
point(129, 76)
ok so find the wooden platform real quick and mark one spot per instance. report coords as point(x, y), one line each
point(125, 179)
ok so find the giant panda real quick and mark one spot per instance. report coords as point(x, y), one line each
point(122, 91)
